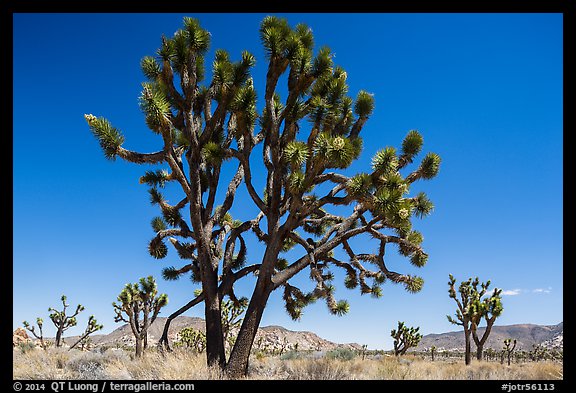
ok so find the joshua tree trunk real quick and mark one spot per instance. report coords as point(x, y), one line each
point(139, 346)
point(214, 338)
point(480, 342)
point(58, 340)
point(215, 354)
point(467, 355)
point(238, 363)
point(480, 352)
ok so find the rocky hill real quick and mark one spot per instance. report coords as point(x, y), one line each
point(277, 337)
point(268, 337)
point(551, 336)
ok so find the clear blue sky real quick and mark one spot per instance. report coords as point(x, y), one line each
point(485, 90)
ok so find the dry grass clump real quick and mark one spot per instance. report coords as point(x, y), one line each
point(59, 363)
point(407, 369)
point(180, 364)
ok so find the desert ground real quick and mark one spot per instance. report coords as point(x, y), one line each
point(60, 363)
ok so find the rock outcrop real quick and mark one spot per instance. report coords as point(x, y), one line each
point(20, 337)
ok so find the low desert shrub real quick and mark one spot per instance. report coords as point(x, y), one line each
point(345, 354)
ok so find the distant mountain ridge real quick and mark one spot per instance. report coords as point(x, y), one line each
point(526, 335)
point(277, 337)
point(268, 337)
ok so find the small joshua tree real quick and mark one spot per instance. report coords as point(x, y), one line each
point(193, 338)
point(39, 335)
point(232, 311)
point(472, 308)
point(92, 327)
point(62, 321)
point(405, 337)
point(86, 344)
point(488, 308)
point(363, 351)
point(284, 346)
point(432, 351)
point(490, 354)
point(463, 317)
point(509, 348)
point(538, 353)
point(140, 303)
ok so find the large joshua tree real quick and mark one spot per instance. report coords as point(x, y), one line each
point(307, 201)
point(92, 327)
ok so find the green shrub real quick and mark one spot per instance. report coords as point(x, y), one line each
point(345, 354)
point(26, 347)
point(291, 355)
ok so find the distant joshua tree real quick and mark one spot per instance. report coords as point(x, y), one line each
point(40, 334)
point(92, 327)
point(472, 309)
point(193, 338)
point(488, 308)
point(405, 337)
point(508, 348)
point(432, 351)
point(538, 353)
point(490, 354)
point(232, 311)
point(140, 303)
point(86, 345)
point(62, 321)
point(463, 317)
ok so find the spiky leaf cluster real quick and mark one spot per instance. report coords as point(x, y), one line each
point(156, 107)
point(296, 154)
point(422, 206)
point(336, 152)
point(411, 146)
point(213, 153)
point(429, 166)
point(295, 301)
point(360, 185)
point(156, 178)
point(157, 248)
point(414, 284)
point(109, 137)
point(385, 161)
point(364, 104)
